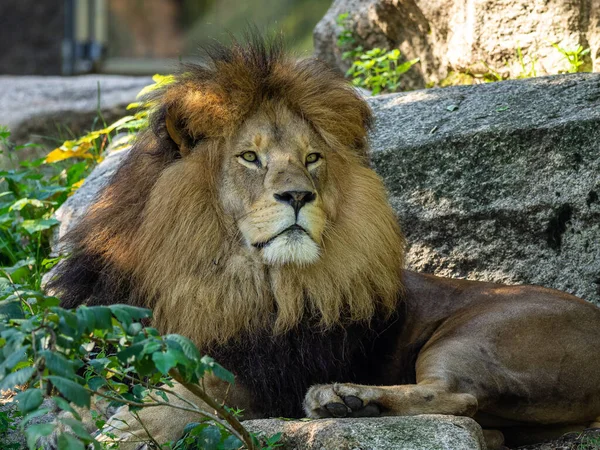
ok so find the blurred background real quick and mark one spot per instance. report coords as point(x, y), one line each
point(67, 37)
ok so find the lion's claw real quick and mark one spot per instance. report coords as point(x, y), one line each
point(353, 402)
point(341, 400)
point(337, 409)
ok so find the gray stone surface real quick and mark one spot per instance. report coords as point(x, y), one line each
point(75, 207)
point(496, 182)
point(426, 432)
point(466, 36)
point(62, 107)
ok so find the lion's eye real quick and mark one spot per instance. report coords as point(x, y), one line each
point(312, 158)
point(250, 157)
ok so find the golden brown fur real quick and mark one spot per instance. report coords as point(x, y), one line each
point(288, 266)
point(160, 222)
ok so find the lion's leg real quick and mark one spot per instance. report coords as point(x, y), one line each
point(161, 424)
point(595, 423)
point(354, 400)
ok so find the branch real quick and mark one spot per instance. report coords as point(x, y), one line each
point(16, 291)
point(241, 433)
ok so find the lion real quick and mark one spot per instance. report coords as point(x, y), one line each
point(248, 219)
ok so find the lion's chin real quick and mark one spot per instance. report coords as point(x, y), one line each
point(294, 247)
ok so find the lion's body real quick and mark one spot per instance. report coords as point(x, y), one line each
point(248, 220)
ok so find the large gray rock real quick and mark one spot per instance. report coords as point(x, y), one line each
point(75, 207)
point(426, 432)
point(62, 107)
point(496, 182)
point(464, 35)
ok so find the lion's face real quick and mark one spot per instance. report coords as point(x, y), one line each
point(249, 201)
point(276, 189)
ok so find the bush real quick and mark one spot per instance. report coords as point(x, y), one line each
point(69, 356)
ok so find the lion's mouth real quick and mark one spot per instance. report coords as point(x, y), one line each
point(293, 228)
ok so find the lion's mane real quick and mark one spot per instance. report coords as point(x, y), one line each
point(156, 236)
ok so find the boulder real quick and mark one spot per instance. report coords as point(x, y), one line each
point(75, 207)
point(431, 432)
point(34, 107)
point(496, 182)
point(466, 36)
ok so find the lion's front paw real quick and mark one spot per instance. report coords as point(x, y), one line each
point(341, 400)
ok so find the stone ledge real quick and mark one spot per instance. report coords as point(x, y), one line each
point(425, 432)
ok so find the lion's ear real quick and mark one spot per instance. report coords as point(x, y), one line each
point(178, 132)
point(174, 133)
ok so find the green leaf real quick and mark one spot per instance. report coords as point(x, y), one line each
point(182, 343)
point(77, 428)
point(14, 358)
point(22, 203)
point(274, 439)
point(126, 313)
point(131, 353)
point(32, 415)
point(71, 390)
point(210, 437)
point(86, 319)
point(34, 432)
point(58, 364)
point(17, 378)
point(99, 364)
point(231, 443)
point(69, 442)
point(103, 317)
point(11, 310)
point(95, 383)
point(65, 406)
point(19, 265)
point(220, 372)
point(33, 226)
point(164, 361)
point(29, 400)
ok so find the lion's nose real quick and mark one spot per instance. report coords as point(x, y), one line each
point(297, 199)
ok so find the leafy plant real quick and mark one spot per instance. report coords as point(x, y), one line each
point(93, 144)
point(527, 70)
point(376, 70)
point(8, 423)
point(346, 40)
point(69, 356)
point(573, 57)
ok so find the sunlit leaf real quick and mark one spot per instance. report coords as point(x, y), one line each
point(33, 226)
point(21, 203)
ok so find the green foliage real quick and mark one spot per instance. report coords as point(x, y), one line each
point(30, 192)
point(377, 70)
point(346, 41)
point(528, 70)
point(380, 71)
point(69, 356)
point(8, 423)
point(573, 57)
point(588, 441)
